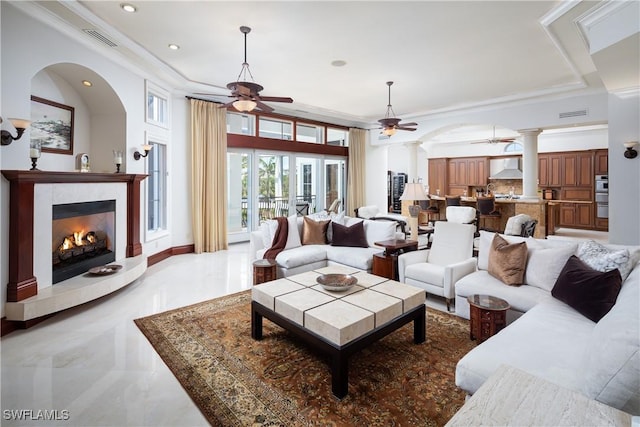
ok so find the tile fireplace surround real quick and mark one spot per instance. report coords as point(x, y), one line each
point(30, 293)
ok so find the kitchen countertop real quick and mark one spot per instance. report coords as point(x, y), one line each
point(498, 200)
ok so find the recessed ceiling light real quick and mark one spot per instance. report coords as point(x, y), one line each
point(173, 46)
point(338, 63)
point(128, 7)
point(87, 83)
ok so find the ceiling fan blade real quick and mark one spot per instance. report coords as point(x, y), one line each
point(405, 128)
point(276, 99)
point(262, 106)
point(408, 124)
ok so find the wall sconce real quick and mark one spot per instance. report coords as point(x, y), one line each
point(20, 124)
point(146, 147)
point(630, 152)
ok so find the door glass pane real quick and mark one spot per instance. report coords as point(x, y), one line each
point(307, 184)
point(335, 178)
point(157, 188)
point(238, 186)
point(273, 186)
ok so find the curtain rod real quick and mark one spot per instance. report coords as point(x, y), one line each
point(296, 118)
point(205, 100)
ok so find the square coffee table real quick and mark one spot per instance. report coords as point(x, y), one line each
point(338, 324)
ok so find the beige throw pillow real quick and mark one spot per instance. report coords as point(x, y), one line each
point(314, 232)
point(507, 262)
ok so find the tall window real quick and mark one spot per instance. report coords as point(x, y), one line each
point(157, 188)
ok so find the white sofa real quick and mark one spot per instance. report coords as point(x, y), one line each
point(555, 342)
point(304, 258)
point(543, 268)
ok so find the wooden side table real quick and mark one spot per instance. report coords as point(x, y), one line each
point(386, 264)
point(264, 270)
point(488, 316)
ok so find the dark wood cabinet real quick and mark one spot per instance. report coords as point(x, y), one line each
point(438, 176)
point(555, 167)
point(549, 170)
point(466, 172)
point(601, 162)
point(577, 169)
point(576, 215)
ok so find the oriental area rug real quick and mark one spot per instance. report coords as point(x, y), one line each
point(237, 381)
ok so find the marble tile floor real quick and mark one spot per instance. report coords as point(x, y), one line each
point(94, 363)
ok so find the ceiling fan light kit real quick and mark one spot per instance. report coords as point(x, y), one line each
point(391, 124)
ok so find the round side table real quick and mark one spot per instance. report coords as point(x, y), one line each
point(488, 316)
point(264, 270)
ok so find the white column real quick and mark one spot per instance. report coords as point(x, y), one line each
point(412, 167)
point(530, 163)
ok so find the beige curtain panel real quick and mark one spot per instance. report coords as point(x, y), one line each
point(355, 170)
point(208, 176)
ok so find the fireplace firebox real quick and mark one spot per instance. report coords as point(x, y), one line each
point(83, 236)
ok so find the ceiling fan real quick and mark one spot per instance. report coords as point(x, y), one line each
point(493, 140)
point(247, 93)
point(391, 124)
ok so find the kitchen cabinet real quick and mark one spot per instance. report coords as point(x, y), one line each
point(438, 176)
point(467, 172)
point(477, 171)
point(577, 169)
point(549, 170)
point(601, 162)
point(576, 215)
point(457, 171)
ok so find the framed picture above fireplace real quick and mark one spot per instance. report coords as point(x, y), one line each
point(52, 125)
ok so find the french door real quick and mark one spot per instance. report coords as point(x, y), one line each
point(263, 185)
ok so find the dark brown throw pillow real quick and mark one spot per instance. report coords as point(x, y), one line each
point(590, 292)
point(352, 236)
point(314, 232)
point(507, 262)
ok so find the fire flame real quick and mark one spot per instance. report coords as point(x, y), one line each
point(67, 244)
point(78, 236)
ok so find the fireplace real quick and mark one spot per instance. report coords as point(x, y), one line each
point(30, 293)
point(83, 236)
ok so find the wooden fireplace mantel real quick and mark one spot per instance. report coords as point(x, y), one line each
point(22, 283)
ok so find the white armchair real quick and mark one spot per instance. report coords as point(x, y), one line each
point(438, 269)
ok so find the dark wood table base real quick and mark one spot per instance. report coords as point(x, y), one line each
point(339, 354)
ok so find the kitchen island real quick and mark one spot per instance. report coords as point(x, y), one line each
point(535, 208)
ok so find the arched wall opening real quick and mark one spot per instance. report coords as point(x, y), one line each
point(99, 116)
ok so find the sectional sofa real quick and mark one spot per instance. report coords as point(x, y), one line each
point(599, 358)
point(298, 257)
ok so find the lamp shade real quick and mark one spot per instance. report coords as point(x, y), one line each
point(413, 191)
point(244, 105)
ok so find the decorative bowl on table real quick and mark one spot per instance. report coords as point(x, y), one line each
point(337, 282)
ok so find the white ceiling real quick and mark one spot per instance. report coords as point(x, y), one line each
point(442, 55)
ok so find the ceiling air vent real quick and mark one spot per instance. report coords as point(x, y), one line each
point(577, 113)
point(100, 37)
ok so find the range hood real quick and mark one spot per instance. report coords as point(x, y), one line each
point(511, 170)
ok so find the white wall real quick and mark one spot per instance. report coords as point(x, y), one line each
point(624, 174)
point(46, 46)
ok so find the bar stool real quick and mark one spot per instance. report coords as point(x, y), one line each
point(487, 210)
point(452, 200)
